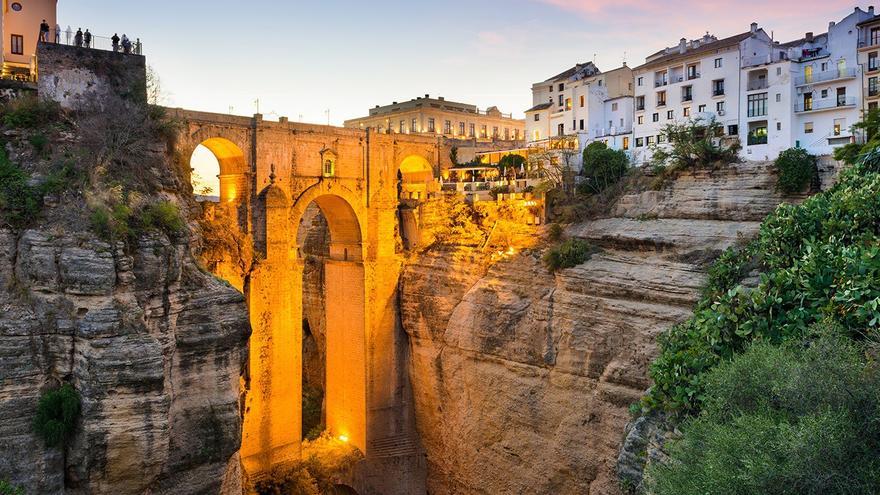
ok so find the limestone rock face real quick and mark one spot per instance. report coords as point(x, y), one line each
point(154, 346)
point(521, 378)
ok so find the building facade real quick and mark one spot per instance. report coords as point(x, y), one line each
point(869, 61)
point(438, 116)
point(580, 106)
point(20, 32)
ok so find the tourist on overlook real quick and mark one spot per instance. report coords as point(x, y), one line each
point(126, 44)
point(78, 39)
point(87, 38)
point(44, 31)
point(57, 33)
point(69, 34)
point(138, 48)
point(115, 41)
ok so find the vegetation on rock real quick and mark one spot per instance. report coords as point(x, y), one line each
point(6, 488)
point(568, 254)
point(697, 143)
point(796, 169)
point(603, 167)
point(801, 417)
point(57, 414)
point(323, 460)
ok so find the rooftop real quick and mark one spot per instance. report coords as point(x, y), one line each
point(687, 49)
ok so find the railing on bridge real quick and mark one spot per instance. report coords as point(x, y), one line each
point(71, 37)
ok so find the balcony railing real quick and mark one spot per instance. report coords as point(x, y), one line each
point(613, 131)
point(812, 54)
point(828, 75)
point(657, 84)
point(756, 85)
point(825, 104)
point(95, 42)
point(871, 41)
point(687, 97)
point(717, 92)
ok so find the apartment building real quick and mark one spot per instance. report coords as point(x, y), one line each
point(20, 32)
point(697, 79)
point(869, 61)
point(582, 105)
point(438, 116)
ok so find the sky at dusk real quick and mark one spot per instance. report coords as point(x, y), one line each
point(302, 58)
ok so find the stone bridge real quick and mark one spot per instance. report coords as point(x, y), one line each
point(270, 172)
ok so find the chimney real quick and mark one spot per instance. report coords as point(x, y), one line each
point(682, 45)
point(427, 96)
point(831, 24)
point(282, 120)
point(808, 37)
point(754, 27)
point(871, 10)
point(441, 98)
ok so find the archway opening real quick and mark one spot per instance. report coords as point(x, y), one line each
point(333, 301)
point(218, 171)
point(415, 176)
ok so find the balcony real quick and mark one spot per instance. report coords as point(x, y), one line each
point(812, 54)
point(827, 76)
point(658, 84)
point(613, 131)
point(757, 85)
point(825, 104)
point(691, 77)
point(869, 42)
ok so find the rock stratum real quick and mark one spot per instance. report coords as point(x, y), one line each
point(522, 379)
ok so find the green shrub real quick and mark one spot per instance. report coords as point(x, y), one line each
point(848, 153)
point(511, 161)
point(695, 144)
point(796, 168)
point(113, 224)
point(57, 413)
point(39, 142)
point(7, 488)
point(163, 216)
point(802, 418)
point(570, 253)
point(20, 202)
point(29, 112)
point(555, 232)
point(819, 259)
point(119, 222)
point(602, 168)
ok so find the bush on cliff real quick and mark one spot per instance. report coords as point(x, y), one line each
point(697, 143)
point(57, 414)
point(602, 168)
point(795, 168)
point(819, 260)
point(800, 418)
point(29, 112)
point(7, 488)
point(568, 254)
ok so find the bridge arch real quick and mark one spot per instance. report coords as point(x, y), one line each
point(344, 307)
point(231, 168)
point(415, 176)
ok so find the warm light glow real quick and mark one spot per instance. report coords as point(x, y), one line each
point(343, 438)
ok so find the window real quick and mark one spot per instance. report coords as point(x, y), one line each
point(824, 67)
point(655, 117)
point(686, 112)
point(561, 100)
point(17, 45)
point(649, 140)
point(872, 106)
point(661, 98)
point(16, 6)
point(414, 125)
point(779, 71)
point(719, 107)
point(841, 97)
point(757, 134)
point(839, 125)
point(537, 117)
point(461, 126)
point(507, 133)
point(560, 130)
point(732, 130)
point(447, 127)
point(640, 102)
point(661, 138)
point(494, 132)
point(718, 63)
point(568, 103)
point(875, 36)
point(872, 86)
point(757, 105)
point(561, 86)
point(808, 127)
point(824, 93)
point(641, 80)
point(687, 93)
point(872, 61)
point(536, 135)
point(581, 124)
point(431, 125)
point(472, 130)
point(402, 127)
point(778, 97)
point(692, 72)
point(582, 101)
point(600, 83)
point(640, 142)
point(808, 101)
point(641, 119)
point(614, 107)
point(701, 108)
point(660, 79)
point(779, 126)
point(625, 142)
point(718, 87)
point(669, 115)
point(483, 131)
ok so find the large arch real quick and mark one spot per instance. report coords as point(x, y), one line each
point(233, 168)
point(345, 310)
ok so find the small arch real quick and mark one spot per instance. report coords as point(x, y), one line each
point(219, 163)
point(328, 162)
point(345, 226)
point(415, 176)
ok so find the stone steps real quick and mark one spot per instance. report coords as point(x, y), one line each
point(396, 446)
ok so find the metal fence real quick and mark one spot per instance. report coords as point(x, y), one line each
point(72, 37)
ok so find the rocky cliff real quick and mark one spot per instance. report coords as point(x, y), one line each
point(154, 344)
point(522, 379)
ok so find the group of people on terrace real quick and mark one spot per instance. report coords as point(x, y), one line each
point(85, 39)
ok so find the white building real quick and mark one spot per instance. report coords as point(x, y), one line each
point(697, 78)
point(582, 105)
